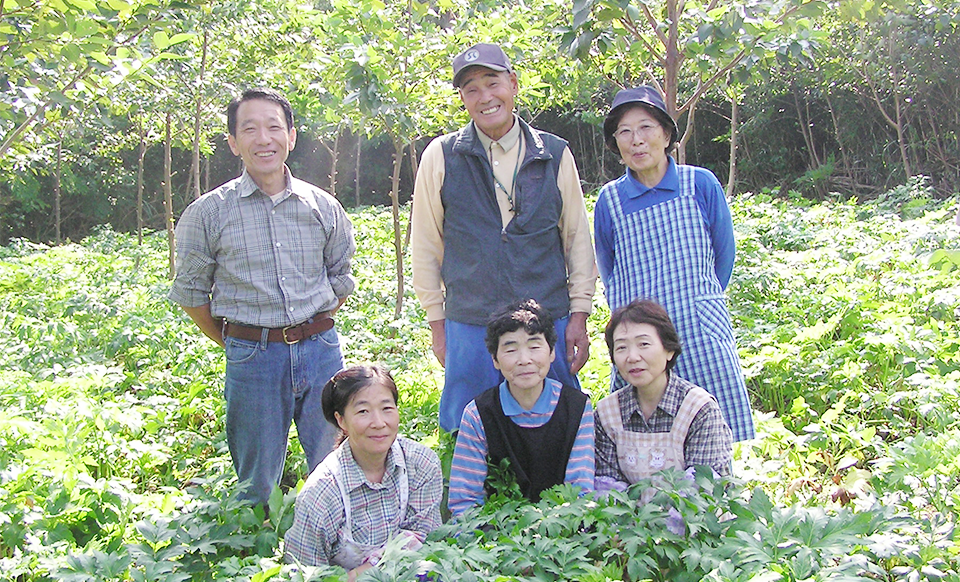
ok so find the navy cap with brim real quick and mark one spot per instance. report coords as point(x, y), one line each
point(647, 95)
point(481, 54)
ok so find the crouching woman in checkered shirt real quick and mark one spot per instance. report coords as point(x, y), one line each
point(373, 487)
point(658, 420)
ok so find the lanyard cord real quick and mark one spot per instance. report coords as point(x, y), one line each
point(513, 182)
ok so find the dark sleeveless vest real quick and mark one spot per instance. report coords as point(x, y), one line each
point(538, 456)
point(485, 265)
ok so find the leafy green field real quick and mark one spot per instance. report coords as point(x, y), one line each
point(114, 465)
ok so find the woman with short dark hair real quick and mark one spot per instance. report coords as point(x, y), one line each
point(663, 231)
point(659, 421)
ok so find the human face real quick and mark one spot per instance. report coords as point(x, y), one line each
point(523, 359)
point(639, 355)
point(643, 142)
point(370, 421)
point(263, 141)
point(489, 96)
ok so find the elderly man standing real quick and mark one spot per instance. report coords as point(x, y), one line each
point(263, 262)
point(498, 216)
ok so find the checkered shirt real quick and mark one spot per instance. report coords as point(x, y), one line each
point(262, 262)
point(317, 530)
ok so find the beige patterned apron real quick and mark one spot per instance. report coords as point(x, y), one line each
point(641, 454)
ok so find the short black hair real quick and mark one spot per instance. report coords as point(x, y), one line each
point(650, 312)
point(347, 382)
point(264, 93)
point(525, 314)
point(612, 120)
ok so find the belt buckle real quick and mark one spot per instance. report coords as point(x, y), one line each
point(287, 340)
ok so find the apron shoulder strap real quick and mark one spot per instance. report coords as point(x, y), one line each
point(608, 411)
point(695, 399)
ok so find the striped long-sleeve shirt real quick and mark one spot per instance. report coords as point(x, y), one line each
point(468, 470)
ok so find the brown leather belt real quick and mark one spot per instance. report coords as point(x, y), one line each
point(288, 335)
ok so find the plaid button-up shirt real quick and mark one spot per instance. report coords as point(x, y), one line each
point(262, 261)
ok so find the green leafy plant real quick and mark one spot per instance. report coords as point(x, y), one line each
point(114, 465)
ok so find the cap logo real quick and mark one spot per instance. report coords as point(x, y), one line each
point(471, 55)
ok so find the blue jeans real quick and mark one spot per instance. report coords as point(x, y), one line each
point(469, 368)
point(268, 385)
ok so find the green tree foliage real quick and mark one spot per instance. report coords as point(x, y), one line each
point(360, 74)
point(686, 47)
point(901, 56)
point(58, 55)
point(871, 104)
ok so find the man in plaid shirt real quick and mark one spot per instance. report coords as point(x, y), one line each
point(263, 262)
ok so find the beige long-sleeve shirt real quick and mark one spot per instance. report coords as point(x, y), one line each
point(427, 222)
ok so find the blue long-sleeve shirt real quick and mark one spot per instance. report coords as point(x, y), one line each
point(634, 197)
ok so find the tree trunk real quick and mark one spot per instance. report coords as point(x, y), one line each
point(896, 122)
point(395, 204)
point(414, 166)
point(168, 194)
point(140, 158)
point(602, 155)
point(687, 134)
point(356, 179)
point(195, 159)
point(334, 158)
point(804, 122)
point(901, 137)
point(734, 128)
point(56, 190)
point(672, 61)
point(844, 162)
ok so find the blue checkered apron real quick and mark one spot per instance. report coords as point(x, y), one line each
point(664, 253)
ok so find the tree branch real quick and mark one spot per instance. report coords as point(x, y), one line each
point(876, 96)
point(652, 21)
point(705, 86)
point(13, 136)
point(632, 27)
point(709, 83)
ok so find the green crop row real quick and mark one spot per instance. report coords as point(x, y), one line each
point(114, 466)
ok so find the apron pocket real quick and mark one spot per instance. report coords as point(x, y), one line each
point(714, 317)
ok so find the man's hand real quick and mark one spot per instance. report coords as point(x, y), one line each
point(340, 302)
point(440, 340)
point(578, 343)
point(212, 328)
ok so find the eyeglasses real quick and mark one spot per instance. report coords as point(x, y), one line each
point(643, 131)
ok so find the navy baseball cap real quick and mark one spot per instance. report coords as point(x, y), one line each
point(647, 95)
point(481, 54)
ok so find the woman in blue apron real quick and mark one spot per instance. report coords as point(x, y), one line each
point(664, 232)
point(659, 420)
point(373, 487)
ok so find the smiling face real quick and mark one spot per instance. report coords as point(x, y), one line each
point(263, 141)
point(489, 97)
point(642, 142)
point(524, 360)
point(370, 420)
point(640, 357)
